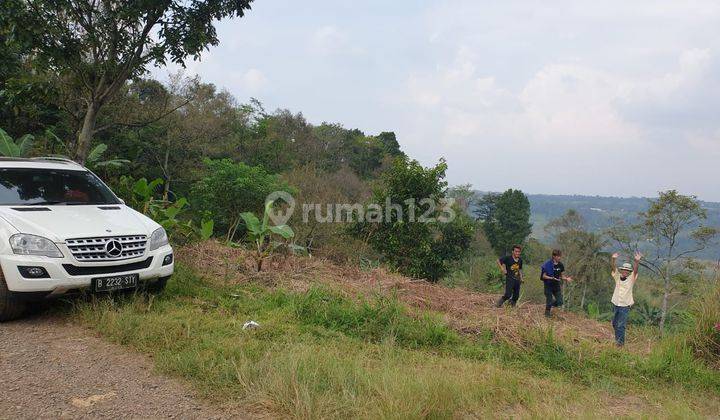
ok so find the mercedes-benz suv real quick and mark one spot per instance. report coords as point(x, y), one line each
point(63, 230)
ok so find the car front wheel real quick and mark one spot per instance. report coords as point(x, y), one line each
point(10, 307)
point(157, 286)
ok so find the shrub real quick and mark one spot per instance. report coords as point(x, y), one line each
point(329, 240)
point(644, 313)
point(705, 337)
point(261, 234)
point(479, 273)
point(230, 189)
point(423, 249)
point(174, 216)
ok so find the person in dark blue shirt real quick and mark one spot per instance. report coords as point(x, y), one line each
point(552, 274)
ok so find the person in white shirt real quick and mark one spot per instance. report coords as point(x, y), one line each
point(622, 298)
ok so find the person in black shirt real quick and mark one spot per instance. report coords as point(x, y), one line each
point(551, 273)
point(511, 267)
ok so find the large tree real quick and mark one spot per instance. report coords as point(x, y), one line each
point(669, 218)
point(93, 47)
point(505, 219)
point(582, 251)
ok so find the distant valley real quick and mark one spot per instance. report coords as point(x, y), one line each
point(598, 213)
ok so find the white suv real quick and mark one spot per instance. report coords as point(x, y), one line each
point(62, 230)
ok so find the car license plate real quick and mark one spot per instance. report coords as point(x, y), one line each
point(107, 284)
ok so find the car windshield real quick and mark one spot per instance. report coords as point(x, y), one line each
point(33, 186)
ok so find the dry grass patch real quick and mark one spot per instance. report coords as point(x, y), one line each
point(468, 312)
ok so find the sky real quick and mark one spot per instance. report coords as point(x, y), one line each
point(611, 98)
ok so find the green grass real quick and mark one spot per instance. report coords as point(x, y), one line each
point(320, 354)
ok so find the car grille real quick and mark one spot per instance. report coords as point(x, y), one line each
point(96, 249)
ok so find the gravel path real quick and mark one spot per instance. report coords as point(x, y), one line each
point(52, 369)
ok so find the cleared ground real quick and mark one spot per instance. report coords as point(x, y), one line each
point(50, 368)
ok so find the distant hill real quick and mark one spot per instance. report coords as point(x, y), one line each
point(599, 211)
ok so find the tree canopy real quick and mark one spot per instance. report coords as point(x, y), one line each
point(505, 219)
point(93, 48)
point(423, 247)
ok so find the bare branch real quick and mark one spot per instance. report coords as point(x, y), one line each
point(142, 123)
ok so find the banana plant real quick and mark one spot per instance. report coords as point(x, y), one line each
point(172, 216)
point(168, 218)
point(144, 195)
point(15, 148)
point(93, 160)
point(261, 234)
point(645, 313)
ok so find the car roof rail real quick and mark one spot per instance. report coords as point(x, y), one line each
point(56, 159)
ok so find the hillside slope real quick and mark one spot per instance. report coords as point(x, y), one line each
point(467, 312)
point(336, 341)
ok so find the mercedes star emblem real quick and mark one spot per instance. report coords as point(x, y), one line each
point(113, 248)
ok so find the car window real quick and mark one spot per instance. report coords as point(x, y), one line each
point(29, 186)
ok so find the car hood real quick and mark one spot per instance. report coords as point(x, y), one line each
point(65, 222)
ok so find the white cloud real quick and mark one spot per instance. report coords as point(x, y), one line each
point(560, 104)
point(593, 119)
point(253, 80)
point(573, 104)
point(683, 99)
point(327, 40)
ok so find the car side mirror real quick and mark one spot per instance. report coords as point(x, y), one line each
point(121, 201)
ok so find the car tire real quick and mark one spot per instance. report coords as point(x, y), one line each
point(10, 307)
point(157, 286)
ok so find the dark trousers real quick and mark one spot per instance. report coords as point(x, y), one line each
point(553, 294)
point(512, 291)
point(620, 317)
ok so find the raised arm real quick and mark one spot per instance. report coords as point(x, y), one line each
point(613, 261)
point(636, 264)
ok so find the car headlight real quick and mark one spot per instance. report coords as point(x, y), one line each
point(158, 239)
point(24, 244)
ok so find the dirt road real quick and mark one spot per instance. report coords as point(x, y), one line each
point(52, 369)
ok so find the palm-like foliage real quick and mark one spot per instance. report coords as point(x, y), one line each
point(94, 158)
point(261, 232)
point(15, 148)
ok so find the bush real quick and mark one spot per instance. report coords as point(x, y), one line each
point(644, 313)
point(261, 234)
point(421, 249)
point(230, 189)
point(181, 224)
point(478, 273)
point(705, 337)
point(328, 240)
